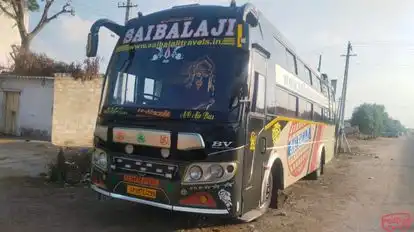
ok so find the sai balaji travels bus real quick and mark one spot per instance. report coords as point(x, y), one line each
point(206, 109)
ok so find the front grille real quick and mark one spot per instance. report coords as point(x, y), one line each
point(153, 152)
point(123, 164)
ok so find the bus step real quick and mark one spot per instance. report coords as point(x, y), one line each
point(251, 215)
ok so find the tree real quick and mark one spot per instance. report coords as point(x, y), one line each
point(16, 10)
point(393, 127)
point(372, 119)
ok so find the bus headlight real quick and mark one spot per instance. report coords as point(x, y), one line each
point(207, 173)
point(216, 171)
point(195, 172)
point(100, 159)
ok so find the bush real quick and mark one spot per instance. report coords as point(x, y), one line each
point(72, 166)
point(38, 64)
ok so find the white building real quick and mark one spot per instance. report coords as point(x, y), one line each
point(26, 105)
point(9, 36)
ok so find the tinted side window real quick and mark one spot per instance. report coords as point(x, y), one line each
point(317, 113)
point(309, 74)
point(282, 102)
point(303, 72)
point(286, 104)
point(291, 62)
point(259, 93)
point(324, 89)
point(293, 105)
point(271, 99)
point(325, 116)
point(305, 109)
point(279, 54)
point(317, 83)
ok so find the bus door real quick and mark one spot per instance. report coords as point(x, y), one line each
point(255, 150)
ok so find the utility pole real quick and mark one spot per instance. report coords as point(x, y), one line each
point(341, 138)
point(128, 5)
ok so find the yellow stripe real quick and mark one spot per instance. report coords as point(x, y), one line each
point(282, 118)
point(239, 35)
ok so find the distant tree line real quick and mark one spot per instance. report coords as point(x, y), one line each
point(29, 63)
point(372, 119)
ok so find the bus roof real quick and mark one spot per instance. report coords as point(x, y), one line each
point(184, 11)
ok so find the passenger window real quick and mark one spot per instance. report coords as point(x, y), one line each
point(308, 75)
point(291, 62)
point(324, 90)
point(271, 99)
point(317, 113)
point(279, 54)
point(259, 93)
point(282, 102)
point(317, 84)
point(305, 109)
point(303, 72)
point(325, 112)
point(293, 105)
point(149, 88)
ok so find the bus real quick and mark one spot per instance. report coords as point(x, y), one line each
point(207, 109)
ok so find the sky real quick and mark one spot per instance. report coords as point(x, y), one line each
point(381, 32)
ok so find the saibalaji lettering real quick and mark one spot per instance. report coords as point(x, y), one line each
point(163, 31)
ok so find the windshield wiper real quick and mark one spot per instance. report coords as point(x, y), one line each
point(127, 64)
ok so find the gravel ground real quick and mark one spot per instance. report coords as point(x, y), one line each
point(356, 190)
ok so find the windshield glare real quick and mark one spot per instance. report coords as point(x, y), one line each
point(180, 78)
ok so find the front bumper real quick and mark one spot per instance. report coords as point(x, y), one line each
point(160, 205)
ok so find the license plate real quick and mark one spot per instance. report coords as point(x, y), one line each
point(141, 192)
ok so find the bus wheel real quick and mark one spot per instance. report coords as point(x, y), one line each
point(267, 195)
point(277, 198)
point(318, 172)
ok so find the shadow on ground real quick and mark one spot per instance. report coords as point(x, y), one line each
point(34, 204)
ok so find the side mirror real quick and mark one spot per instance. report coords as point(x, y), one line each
point(250, 15)
point(252, 19)
point(92, 44)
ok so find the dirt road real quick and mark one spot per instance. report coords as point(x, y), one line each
point(354, 193)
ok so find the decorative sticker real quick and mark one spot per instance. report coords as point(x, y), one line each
point(225, 197)
point(120, 136)
point(197, 115)
point(166, 55)
point(141, 138)
point(164, 140)
point(115, 110)
point(161, 114)
point(199, 72)
point(298, 150)
point(253, 141)
point(276, 133)
point(212, 187)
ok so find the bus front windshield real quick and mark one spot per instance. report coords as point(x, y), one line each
point(177, 78)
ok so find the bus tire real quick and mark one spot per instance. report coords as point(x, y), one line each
point(276, 198)
point(318, 172)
